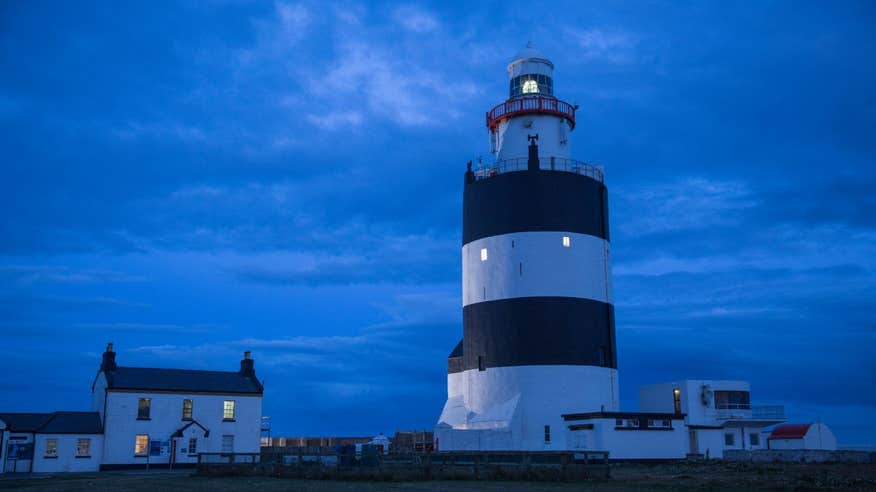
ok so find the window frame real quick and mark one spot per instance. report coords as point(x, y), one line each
point(193, 446)
point(547, 434)
point(227, 438)
point(79, 447)
point(53, 447)
point(729, 439)
point(225, 408)
point(676, 400)
point(754, 439)
point(190, 407)
point(145, 445)
point(141, 415)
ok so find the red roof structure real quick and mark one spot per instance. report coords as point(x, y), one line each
point(789, 431)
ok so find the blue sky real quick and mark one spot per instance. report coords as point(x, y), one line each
point(192, 180)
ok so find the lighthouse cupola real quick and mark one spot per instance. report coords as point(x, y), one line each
point(530, 73)
point(531, 109)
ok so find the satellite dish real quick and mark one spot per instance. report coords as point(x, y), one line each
point(706, 395)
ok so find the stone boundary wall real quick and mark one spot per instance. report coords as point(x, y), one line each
point(799, 456)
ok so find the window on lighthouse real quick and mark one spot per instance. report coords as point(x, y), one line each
point(530, 87)
point(567, 241)
point(483, 254)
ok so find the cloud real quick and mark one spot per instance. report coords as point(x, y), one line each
point(334, 121)
point(416, 20)
point(606, 46)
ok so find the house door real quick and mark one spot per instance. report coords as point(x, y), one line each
point(694, 442)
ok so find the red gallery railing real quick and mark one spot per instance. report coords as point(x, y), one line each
point(530, 105)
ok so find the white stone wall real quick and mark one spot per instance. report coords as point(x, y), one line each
point(122, 425)
point(65, 460)
point(553, 137)
point(630, 444)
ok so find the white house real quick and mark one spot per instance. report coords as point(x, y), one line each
point(164, 417)
point(718, 414)
point(802, 436)
point(51, 442)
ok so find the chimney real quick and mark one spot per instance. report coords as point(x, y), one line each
point(533, 164)
point(247, 365)
point(109, 359)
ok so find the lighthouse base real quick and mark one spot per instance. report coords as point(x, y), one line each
point(520, 407)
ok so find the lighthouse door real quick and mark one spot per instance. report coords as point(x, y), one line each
point(694, 443)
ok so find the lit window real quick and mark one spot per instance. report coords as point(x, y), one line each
point(530, 87)
point(483, 254)
point(83, 447)
point(51, 447)
point(187, 409)
point(143, 405)
point(193, 445)
point(676, 400)
point(547, 434)
point(567, 241)
point(141, 445)
point(228, 410)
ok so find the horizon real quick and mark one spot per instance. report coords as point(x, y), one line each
point(202, 179)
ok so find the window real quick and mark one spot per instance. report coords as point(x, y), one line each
point(676, 400)
point(83, 447)
point(482, 365)
point(547, 434)
point(141, 445)
point(660, 424)
point(530, 87)
point(619, 422)
point(187, 409)
point(228, 410)
point(732, 400)
point(193, 445)
point(521, 268)
point(567, 241)
point(51, 448)
point(754, 439)
point(483, 254)
point(228, 443)
point(729, 440)
point(143, 405)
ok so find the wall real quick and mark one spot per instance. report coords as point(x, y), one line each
point(553, 136)
point(801, 455)
point(631, 444)
point(66, 460)
point(122, 426)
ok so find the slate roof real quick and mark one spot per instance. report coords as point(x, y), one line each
point(181, 380)
point(53, 423)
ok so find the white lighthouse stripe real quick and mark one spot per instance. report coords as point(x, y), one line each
point(536, 264)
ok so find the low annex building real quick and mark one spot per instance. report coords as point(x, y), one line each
point(51, 442)
point(141, 417)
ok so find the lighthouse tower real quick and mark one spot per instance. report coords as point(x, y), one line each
point(538, 321)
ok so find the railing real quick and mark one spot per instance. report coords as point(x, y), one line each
point(745, 411)
point(547, 164)
point(768, 412)
point(529, 105)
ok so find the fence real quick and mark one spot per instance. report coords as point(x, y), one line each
point(346, 464)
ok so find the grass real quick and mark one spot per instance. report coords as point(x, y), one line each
point(625, 478)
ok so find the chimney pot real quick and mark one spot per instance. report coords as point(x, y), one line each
point(109, 347)
point(246, 354)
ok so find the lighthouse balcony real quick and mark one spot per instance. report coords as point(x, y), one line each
point(546, 164)
point(531, 105)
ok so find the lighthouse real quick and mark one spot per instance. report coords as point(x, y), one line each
point(538, 320)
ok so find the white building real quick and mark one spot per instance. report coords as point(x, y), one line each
point(718, 414)
point(165, 417)
point(51, 442)
point(802, 436)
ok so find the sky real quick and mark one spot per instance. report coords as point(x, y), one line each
point(191, 180)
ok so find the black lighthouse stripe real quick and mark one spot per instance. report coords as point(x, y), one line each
point(534, 201)
point(538, 331)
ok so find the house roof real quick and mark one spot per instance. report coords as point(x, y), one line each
point(181, 380)
point(53, 423)
point(790, 431)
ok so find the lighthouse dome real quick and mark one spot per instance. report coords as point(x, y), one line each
point(530, 73)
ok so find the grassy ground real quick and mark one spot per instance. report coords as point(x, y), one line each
point(625, 478)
